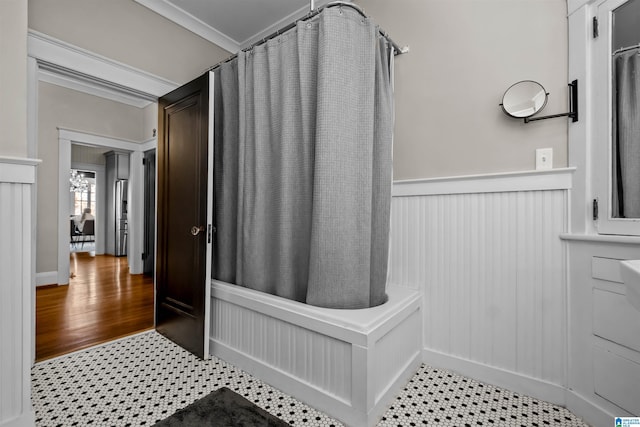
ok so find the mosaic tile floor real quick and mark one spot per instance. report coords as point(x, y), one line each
point(143, 379)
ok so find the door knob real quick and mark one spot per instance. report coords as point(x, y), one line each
point(196, 230)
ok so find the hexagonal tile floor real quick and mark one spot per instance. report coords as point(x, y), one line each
point(145, 378)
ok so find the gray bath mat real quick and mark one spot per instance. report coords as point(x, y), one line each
point(222, 408)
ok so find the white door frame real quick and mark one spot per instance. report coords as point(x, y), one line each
point(67, 137)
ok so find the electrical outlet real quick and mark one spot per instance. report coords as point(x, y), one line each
point(544, 158)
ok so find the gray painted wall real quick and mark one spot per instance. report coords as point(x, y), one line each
point(464, 55)
point(13, 78)
point(69, 109)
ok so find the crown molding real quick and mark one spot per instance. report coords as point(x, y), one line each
point(274, 27)
point(292, 17)
point(191, 23)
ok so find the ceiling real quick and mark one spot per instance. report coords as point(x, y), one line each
point(232, 24)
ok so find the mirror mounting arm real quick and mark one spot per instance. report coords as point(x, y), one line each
point(573, 106)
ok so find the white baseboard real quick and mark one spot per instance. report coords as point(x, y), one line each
point(589, 411)
point(47, 278)
point(27, 419)
point(513, 381)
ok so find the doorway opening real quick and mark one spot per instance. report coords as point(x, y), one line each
point(107, 296)
point(82, 210)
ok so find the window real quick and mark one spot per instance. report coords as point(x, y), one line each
point(85, 195)
point(616, 100)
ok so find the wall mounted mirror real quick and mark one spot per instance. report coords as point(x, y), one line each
point(524, 99)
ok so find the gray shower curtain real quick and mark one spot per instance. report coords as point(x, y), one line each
point(303, 163)
point(626, 135)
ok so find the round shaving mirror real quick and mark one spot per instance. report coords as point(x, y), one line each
point(524, 99)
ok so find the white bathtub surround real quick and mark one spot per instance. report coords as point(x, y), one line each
point(486, 255)
point(347, 363)
point(17, 280)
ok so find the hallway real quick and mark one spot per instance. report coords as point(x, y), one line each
point(103, 302)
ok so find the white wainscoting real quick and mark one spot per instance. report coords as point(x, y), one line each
point(17, 177)
point(492, 269)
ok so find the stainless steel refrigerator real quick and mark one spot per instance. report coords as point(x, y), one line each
point(121, 217)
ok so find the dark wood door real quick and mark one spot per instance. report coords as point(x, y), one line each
point(182, 159)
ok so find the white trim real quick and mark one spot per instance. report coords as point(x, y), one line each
point(553, 179)
point(52, 52)
point(588, 410)
point(20, 161)
point(18, 170)
point(26, 419)
point(64, 165)
point(601, 238)
point(58, 79)
point(47, 278)
point(85, 138)
point(66, 137)
point(191, 23)
point(209, 219)
point(573, 5)
point(579, 405)
point(150, 144)
point(292, 17)
point(519, 383)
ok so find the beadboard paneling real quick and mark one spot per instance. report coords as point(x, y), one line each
point(347, 363)
point(315, 358)
point(15, 291)
point(492, 271)
point(10, 302)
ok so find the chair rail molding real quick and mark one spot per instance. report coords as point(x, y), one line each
point(552, 179)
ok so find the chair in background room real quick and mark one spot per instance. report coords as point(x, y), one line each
point(88, 231)
point(73, 232)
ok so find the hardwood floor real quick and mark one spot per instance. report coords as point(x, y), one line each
point(101, 303)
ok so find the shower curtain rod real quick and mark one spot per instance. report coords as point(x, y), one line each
point(397, 49)
point(624, 49)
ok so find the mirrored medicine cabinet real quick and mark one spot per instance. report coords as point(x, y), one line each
point(615, 100)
